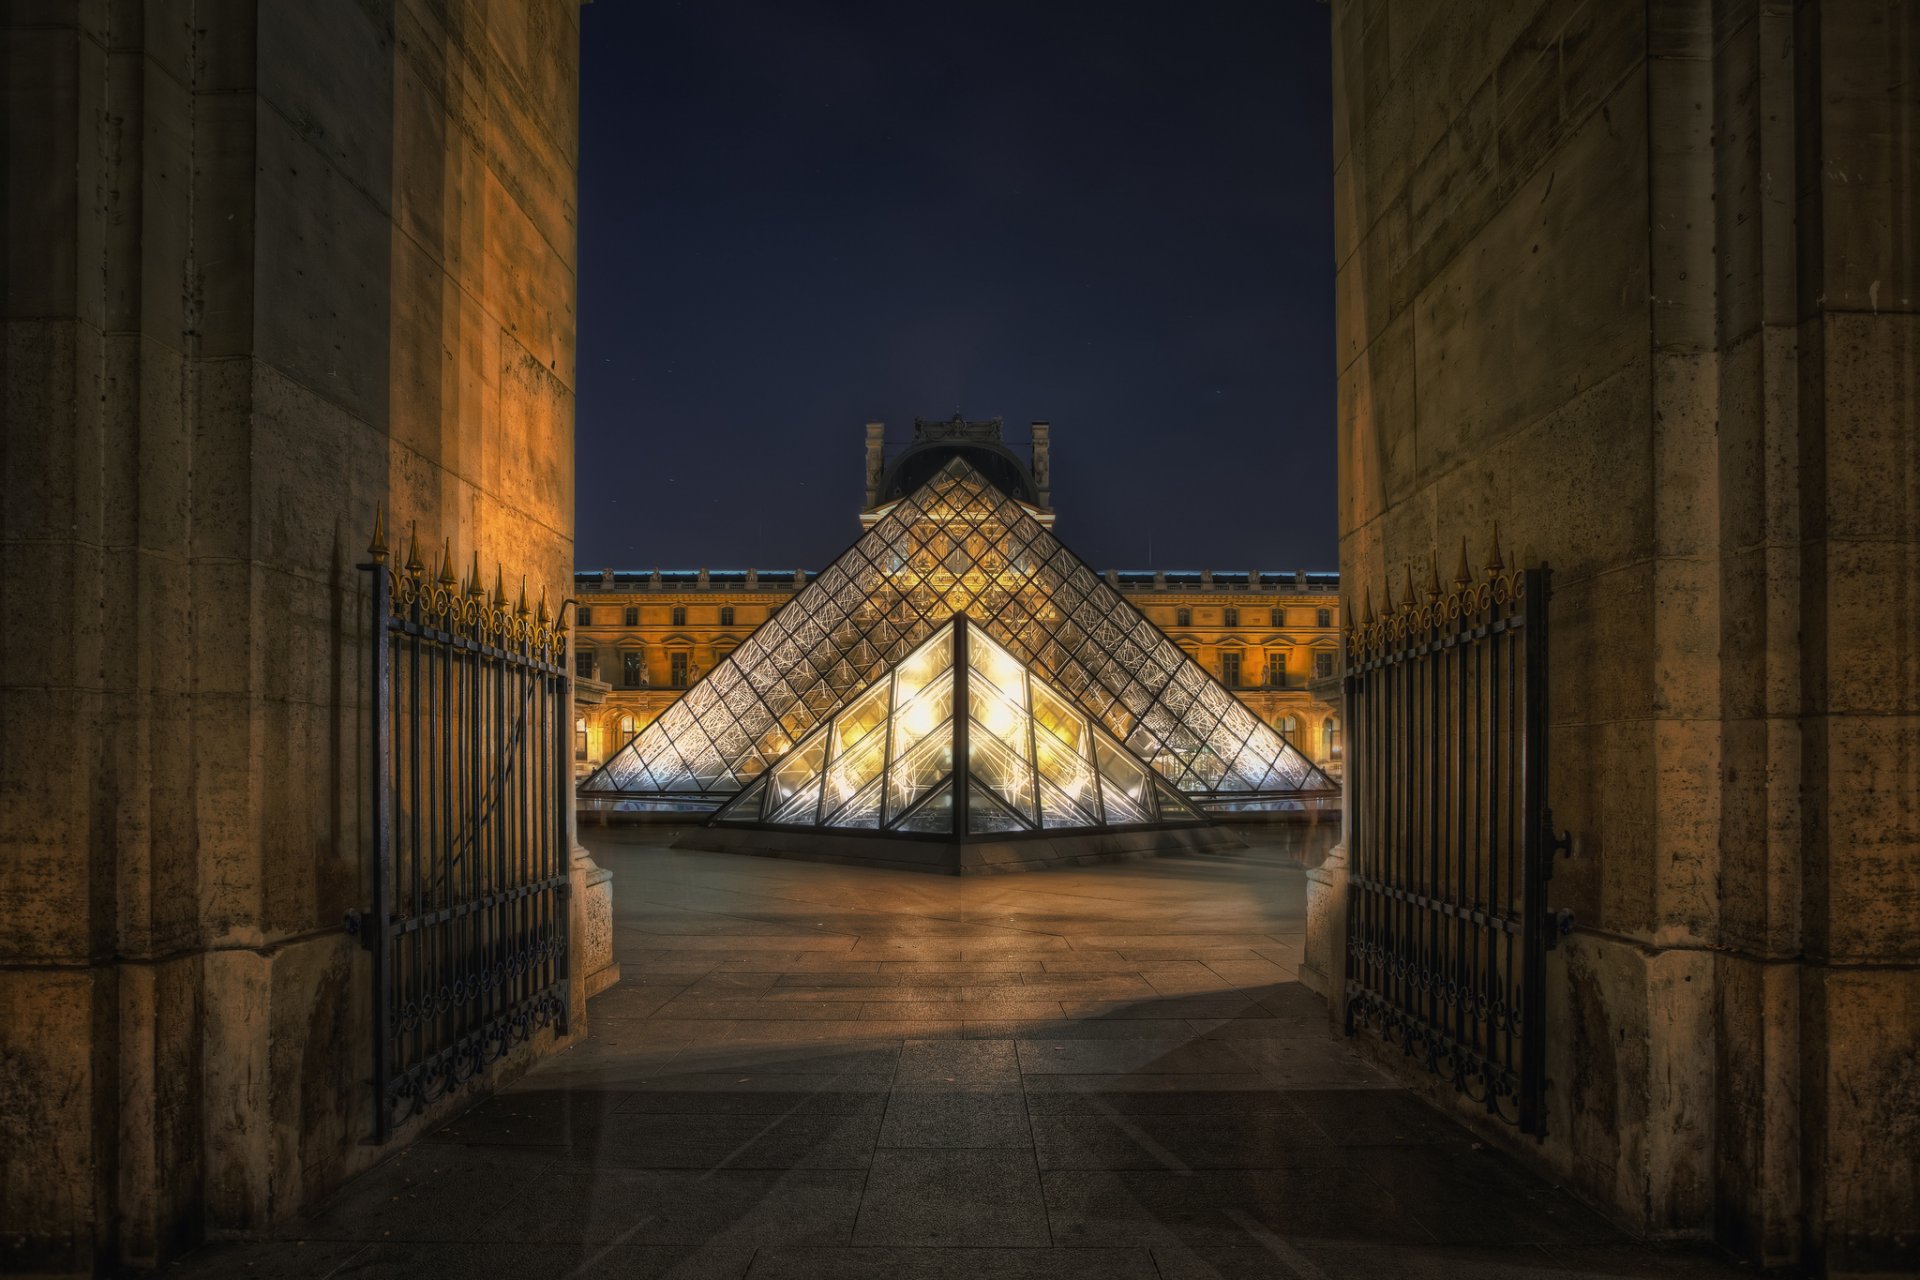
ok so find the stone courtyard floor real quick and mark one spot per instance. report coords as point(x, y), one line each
point(811, 1071)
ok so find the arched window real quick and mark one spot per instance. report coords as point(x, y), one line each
point(1323, 618)
point(726, 615)
point(1231, 617)
point(679, 616)
point(626, 729)
point(1183, 617)
point(580, 738)
point(1290, 729)
point(1330, 738)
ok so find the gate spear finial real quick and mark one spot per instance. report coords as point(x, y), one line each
point(499, 587)
point(377, 549)
point(474, 588)
point(1433, 575)
point(1463, 576)
point(446, 564)
point(413, 548)
point(1494, 563)
point(1413, 595)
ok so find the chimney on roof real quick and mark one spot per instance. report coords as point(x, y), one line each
point(703, 580)
point(1299, 579)
point(1159, 580)
point(1206, 579)
point(1253, 579)
point(753, 579)
point(606, 579)
point(1043, 465)
point(876, 461)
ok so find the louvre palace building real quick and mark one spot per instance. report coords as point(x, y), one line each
point(644, 637)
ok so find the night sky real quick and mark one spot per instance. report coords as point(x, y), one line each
point(798, 216)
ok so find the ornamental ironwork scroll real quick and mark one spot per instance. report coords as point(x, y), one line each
point(470, 783)
point(1450, 839)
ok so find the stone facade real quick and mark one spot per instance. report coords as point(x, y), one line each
point(1637, 280)
point(269, 267)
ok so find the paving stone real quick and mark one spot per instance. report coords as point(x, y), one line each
point(1275, 1138)
point(1221, 1207)
point(801, 1138)
point(956, 1119)
point(574, 1261)
point(647, 1206)
point(953, 1264)
point(948, 1197)
point(1158, 1056)
point(1277, 1258)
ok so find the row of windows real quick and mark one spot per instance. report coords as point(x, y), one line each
point(1276, 669)
point(633, 668)
point(1230, 617)
point(630, 616)
point(1182, 616)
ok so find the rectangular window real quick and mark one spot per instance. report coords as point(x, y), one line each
point(680, 664)
point(1276, 671)
point(1230, 670)
point(1230, 617)
point(1276, 617)
point(633, 616)
point(726, 615)
point(1323, 665)
point(579, 739)
point(586, 617)
point(632, 670)
point(1182, 617)
point(583, 664)
point(679, 617)
point(1323, 618)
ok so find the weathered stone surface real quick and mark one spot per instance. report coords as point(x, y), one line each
point(1662, 331)
point(290, 264)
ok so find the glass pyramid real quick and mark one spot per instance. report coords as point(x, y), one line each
point(1030, 761)
point(957, 546)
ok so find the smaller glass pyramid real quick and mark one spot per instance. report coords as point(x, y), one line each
point(1030, 761)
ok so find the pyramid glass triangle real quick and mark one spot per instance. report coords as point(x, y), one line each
point(957, 546)
point(959, 738)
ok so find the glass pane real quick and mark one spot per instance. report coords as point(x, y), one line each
point(922, 766)
point(1008, 775)
point(915, 719)
point(1065, 724)
point(1002, 672)
point(997, 717)
point(984, 814)
point(853, 724)
point(935, 817)
point(854, 770)
point(1058, 809)
point(1068, 770)
point(744, 807)
point(863, 810)
point(1124, 785)
point(797, 773)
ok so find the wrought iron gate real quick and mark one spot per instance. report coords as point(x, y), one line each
point(472, 774)
point(1450, 840)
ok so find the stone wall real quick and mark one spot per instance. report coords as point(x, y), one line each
point(269, 266)
point(1637, 278)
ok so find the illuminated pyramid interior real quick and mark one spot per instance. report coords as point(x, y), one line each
point(955, 547)
point(1028, 759)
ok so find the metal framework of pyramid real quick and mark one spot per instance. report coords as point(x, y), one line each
point(959, 739)
point(957, 546)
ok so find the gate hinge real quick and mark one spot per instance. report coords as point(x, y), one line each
point(1560, 843)
point(357, 927)
point(1559, 925)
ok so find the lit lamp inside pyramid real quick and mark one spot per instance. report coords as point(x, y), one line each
point(840, 713)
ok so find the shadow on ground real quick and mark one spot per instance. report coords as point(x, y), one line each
point(819, 1071)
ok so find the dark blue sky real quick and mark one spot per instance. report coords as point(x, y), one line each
point(796, 216)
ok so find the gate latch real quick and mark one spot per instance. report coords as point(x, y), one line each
point(1559, 925)
point(357, 927)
